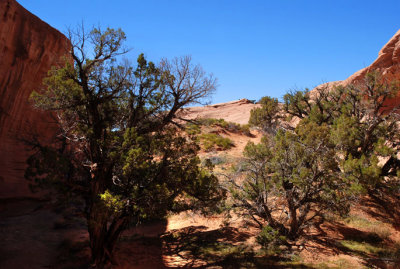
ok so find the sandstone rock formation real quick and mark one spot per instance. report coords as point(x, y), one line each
point(234, 111)
point(28, 48)
point(387, 64)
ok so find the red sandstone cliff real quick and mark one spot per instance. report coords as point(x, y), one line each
point(28, 48)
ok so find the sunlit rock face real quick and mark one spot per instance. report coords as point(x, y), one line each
point(235, 111)
point(387, 64)
point(28, 48)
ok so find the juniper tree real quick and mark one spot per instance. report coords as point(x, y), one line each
point(267, 116)
point(345, 144)
point(363, 122)
point(119, 146)
point(290, 179)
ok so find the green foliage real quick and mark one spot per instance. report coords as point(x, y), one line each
point(377, 228)
point(214, 122)
point(293, 175)
point(117, 148)
point(332, 156)
point(270, 238)
point(192, 129)
point(214, 141)
point(229, 126)
point(266, 117)
point(363, 127)
point(112, 202)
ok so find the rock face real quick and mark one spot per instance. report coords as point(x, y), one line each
point(387, 63)
point(28, 48)
point(234, 111)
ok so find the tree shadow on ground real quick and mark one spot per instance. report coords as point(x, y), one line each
point(336, 238)
point(219, 248)
point(384, 207)
point(141, 246)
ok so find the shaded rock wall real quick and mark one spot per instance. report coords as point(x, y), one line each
point(28, 48)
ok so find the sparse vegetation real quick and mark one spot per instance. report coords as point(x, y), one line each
point(192, 129)
point(211, 141)
point(376, 227)
point(373, 250)
point(363, 248)
point(229, 126)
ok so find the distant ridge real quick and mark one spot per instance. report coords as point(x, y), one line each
point(234, 111)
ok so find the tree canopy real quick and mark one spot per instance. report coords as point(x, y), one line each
point(119, 149)
point(344, 145)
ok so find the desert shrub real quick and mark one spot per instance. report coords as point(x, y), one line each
point(290, 179)
point(193, 129)
point(214, 122)
point(269, 238)
point(267, 116)
point(212, 141)
point(227, 125)
point(215, 160)
point(245, 129)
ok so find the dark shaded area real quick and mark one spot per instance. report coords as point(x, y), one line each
point(28, 239)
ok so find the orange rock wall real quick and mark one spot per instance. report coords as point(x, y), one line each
point(28, 48)
point(387, 63)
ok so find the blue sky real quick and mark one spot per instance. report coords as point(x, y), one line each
point(254, 48)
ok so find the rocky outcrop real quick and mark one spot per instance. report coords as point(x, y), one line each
point(387, 64)
point(28, 48)
point(234, 111)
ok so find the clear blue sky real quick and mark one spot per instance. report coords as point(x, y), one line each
point(254, 48)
